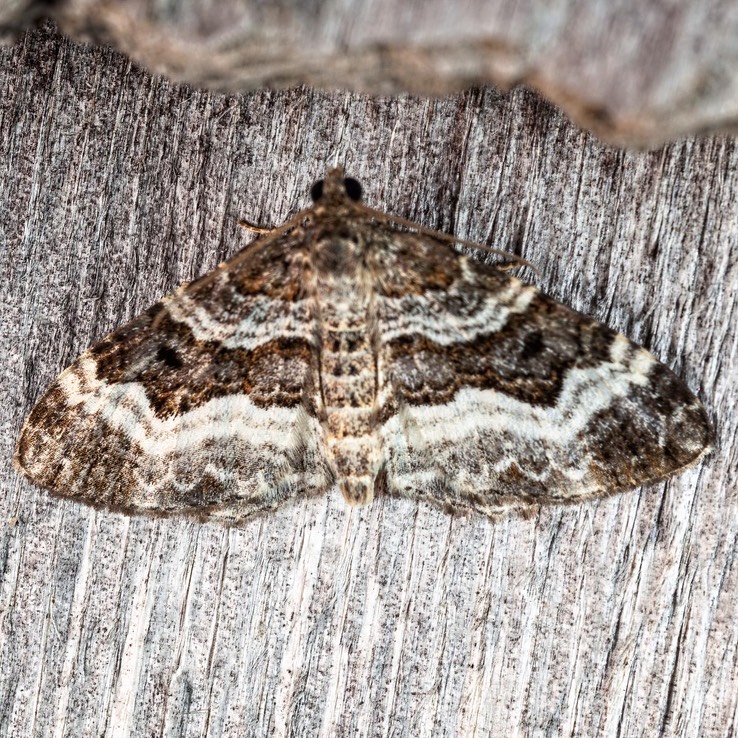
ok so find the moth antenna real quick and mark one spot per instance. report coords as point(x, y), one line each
point(293, 222)
point(440, 236)
point(259, 230)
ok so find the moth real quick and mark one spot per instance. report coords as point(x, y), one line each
point(342, 350)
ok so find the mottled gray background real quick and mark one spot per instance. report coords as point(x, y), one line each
point(613, 618)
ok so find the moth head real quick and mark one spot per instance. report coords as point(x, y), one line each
point(336, 188)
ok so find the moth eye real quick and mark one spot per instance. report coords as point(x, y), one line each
point(316, 191)
point(353, 189)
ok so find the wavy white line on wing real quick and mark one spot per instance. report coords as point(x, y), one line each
point(585, 392)
point(266, 319)
point(412, 314)
point(126, 407)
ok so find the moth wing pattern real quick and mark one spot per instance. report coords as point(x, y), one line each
point(340, 349)
point(495, 397)
point(206, 404)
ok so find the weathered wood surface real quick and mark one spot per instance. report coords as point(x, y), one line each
point(614, 618)
point(636, 72)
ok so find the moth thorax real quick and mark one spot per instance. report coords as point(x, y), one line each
point(339, 254)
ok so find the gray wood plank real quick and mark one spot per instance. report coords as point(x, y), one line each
point(635, 72)
point(611, 618)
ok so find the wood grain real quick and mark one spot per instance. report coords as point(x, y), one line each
point(635, 72)
point(610, 618)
